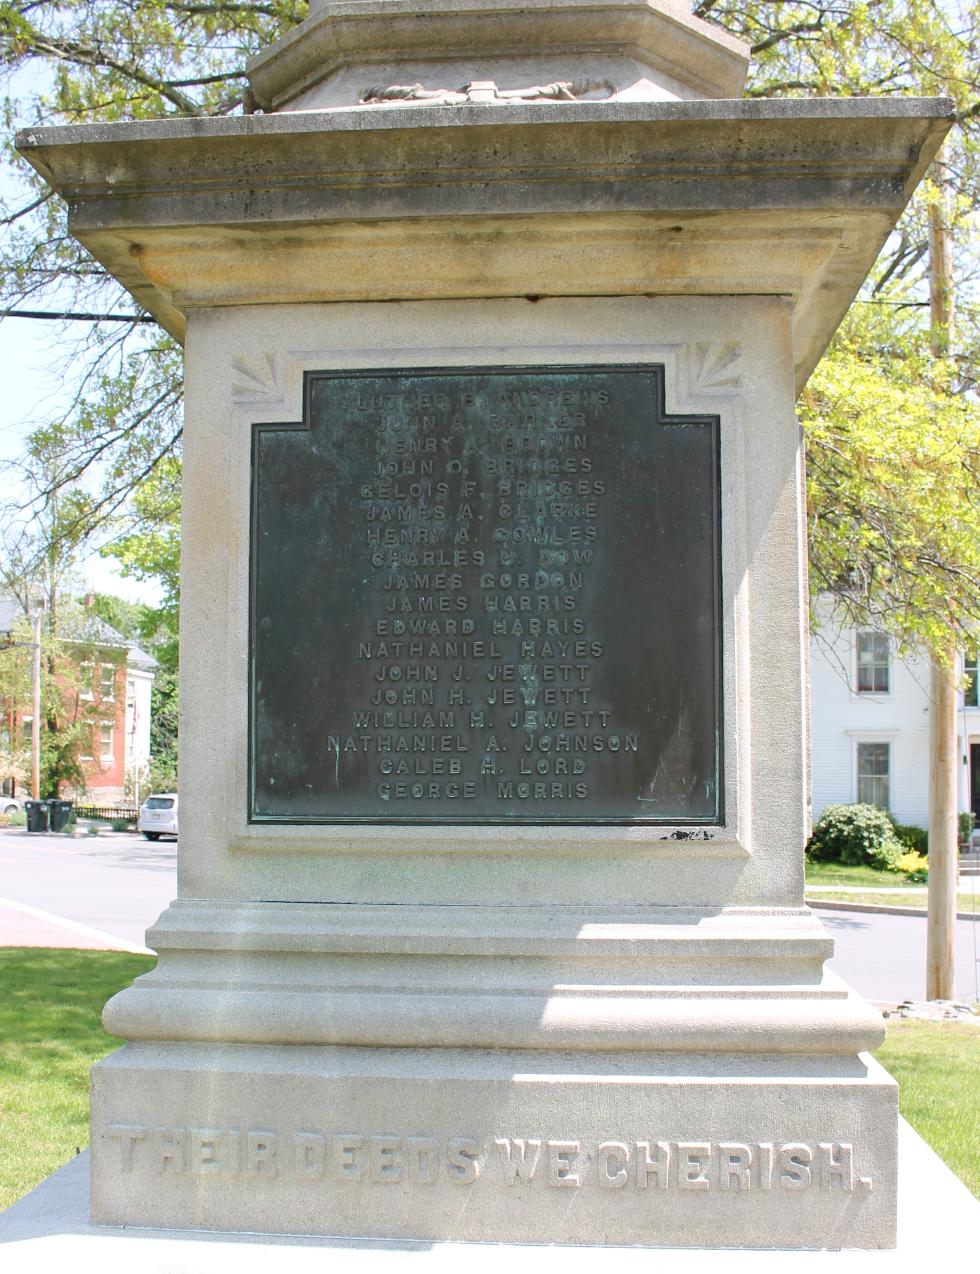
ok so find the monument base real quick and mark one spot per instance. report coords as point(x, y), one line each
point(517, 1075)
point(449, 1144)
point(50, 1229)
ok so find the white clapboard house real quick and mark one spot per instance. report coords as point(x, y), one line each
point(870, 726)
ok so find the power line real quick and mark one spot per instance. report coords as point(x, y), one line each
point(77, 316)
point(911, 305)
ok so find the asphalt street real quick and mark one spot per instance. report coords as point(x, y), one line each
point(115, 883)
point(884, 957)
point(118, 884)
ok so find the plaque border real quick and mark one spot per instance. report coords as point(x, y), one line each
point(663, 417)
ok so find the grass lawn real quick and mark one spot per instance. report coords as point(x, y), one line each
point(50, 1034)
point(967, 898)
point(936, 1065)
point(838, 874)
point(911, 897)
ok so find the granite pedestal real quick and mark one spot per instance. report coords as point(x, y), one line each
point(432, 977)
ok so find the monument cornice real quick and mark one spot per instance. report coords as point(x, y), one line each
point(406, 202)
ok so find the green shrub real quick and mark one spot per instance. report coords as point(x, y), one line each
point(914, 866)
point(966, 827)
point(120, 824)
point(912, 837)
point(857, 836)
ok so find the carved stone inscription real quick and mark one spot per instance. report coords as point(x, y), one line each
point(486, 596)
point(566, 1163)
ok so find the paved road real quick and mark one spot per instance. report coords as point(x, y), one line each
point(119, 884)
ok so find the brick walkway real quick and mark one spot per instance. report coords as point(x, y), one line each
point(22, 926)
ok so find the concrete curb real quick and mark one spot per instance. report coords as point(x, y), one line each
point(815, 905)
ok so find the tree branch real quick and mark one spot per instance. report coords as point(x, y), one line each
point(802, 28)
point(82, 55)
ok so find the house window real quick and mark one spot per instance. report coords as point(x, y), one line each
point(27, 725)
point(108, 684)
point(105, 741)
point(86, 674)
point(872, 663)
point(873, 766)
point(970, 697)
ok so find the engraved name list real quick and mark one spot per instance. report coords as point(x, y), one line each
point(486, 596)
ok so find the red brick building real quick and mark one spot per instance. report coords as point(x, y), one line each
point(107, 693)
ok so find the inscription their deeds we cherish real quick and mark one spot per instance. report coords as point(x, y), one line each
point(308, 1156)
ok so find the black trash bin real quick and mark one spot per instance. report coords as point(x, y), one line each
point(37, 815)
point(59, 814)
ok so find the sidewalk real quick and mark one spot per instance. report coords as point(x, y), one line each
point(81, 832)
point(970, 886)
point(866, 889)
point(23, 926)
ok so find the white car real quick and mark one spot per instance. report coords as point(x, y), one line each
point(158, 816)
point(11, 805)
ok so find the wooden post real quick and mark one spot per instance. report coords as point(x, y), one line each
point(941, 924)
point(942, 831)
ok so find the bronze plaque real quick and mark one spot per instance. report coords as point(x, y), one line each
point(486, 596)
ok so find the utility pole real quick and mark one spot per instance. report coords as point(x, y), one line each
point(36, 721)
point(941, 922)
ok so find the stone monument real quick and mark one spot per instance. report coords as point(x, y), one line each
point(493, 643)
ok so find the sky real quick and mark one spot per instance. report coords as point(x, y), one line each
point(32, 391)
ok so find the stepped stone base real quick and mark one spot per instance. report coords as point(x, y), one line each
point(524, 1074)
